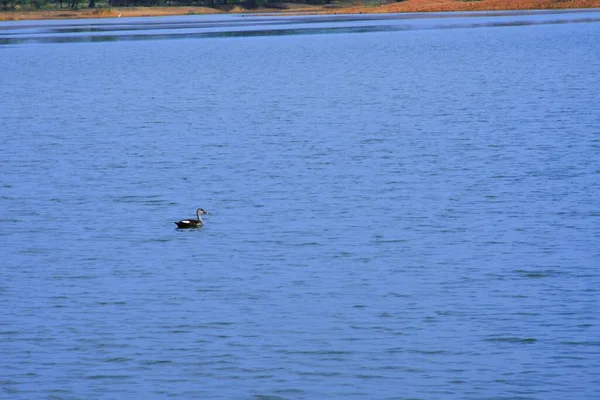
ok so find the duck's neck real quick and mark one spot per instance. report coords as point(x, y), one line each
point(198, 215)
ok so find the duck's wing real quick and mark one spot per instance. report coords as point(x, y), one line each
point(187, 222)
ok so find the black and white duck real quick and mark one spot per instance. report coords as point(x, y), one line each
point(192, 223)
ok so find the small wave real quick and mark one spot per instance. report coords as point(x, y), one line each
point(511, 340)
point(429, 352)
point(582, 343)
point(268, 397)
point(111, 303)
point(100, 377)
point(317, 352)
point(153, 362)
point(535, 274)
point(323, 374)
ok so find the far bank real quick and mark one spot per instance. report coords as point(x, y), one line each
point(406, 6)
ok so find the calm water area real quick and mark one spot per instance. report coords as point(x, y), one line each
point(401, 207)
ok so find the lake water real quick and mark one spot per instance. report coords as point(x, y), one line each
point(402, 206)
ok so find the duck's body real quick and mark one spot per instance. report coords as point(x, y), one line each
point(192, 223)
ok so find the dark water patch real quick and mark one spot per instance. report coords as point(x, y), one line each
point(386, 241)
point(196, 35)
point(295, 26)
point(325, 374)
point(268, 397)
point(210, 289)
point(317, 352)
point(528, 314)
point(430, 352)
point(308, 244)
point(156, 362)
point(111, 303)
point(515, 340)
point(77, 277)
point(158, 240)
point(10, 221)
point(109, 345)
point(109, 377)
point(586, 326)
point(590, 343)
point(397, 350)
point(217, 323)
point(536, 274)
point(397, 295)
point(571, 358)
point(369, 376)
point(117, 360)
point(290, 391)
point(147, 199)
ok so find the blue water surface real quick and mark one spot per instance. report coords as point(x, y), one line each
point(402, 206)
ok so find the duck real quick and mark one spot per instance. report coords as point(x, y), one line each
point(192, 223)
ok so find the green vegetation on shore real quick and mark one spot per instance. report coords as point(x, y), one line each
point(8, 5)
point(52, 9)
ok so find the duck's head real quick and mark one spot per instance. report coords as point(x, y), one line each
point(202, 211)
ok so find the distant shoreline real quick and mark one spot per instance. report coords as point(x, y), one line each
point(303, 9)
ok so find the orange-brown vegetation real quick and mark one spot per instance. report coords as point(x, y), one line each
point(404, 6)
point(484, 5)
